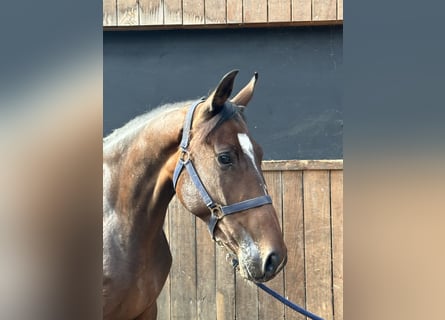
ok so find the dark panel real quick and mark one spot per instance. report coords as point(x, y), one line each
point(296, 112)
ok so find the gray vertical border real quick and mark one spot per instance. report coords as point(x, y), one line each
point(394, 71)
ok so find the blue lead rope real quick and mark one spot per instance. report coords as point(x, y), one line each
point(288, 303)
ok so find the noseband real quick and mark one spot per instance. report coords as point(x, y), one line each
point(217, 211)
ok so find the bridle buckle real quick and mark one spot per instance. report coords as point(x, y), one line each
point(217, 211)
point(184, 156)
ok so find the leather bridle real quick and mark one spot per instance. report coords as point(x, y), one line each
point(217, 211)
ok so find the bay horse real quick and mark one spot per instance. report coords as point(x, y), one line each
point(202, 152)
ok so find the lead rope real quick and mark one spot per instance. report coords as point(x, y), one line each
point(282, 299)
point(288, 303)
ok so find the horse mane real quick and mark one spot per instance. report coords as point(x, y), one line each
point(119, 138)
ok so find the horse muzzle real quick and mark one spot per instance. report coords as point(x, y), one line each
point(261, 265)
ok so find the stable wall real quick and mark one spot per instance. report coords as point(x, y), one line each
point(308, 199)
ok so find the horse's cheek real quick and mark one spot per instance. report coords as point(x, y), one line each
point(188, 196)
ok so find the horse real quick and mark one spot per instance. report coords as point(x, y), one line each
point(203, 152)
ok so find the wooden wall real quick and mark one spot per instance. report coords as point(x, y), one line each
point(308, 198)
point(149, 14)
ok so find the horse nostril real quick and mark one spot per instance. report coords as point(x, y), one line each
point(271, 264)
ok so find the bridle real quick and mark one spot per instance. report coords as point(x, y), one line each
point(217, 211)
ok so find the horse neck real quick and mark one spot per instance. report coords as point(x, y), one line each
point(143, 175)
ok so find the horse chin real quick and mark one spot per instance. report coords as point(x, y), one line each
point(250, 269)
point(247, 274)
point(243, 269)
point(247, 261)
point(234, 260)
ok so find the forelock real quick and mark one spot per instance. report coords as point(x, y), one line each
point(229, 111)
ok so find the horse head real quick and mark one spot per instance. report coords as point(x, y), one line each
point(227, 161)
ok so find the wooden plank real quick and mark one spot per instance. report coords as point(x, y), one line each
point(225, 287)
point(215, 11)
point(151, 12)
point(172, 12)
point(109, 17)
point(293, 229)
point(155, 14)
point(301, 10)
point(317, 229)
point(183, 271)
point(234, 11)
point(337, 241)
point(163, 301)
point(279, 10)
point(324, 10)
point(246, 298)
point(240, 25)
point(285, 165)
point(206, 273)
point(193, 12)
point(254, 11)
point(127, 12)
point(339, 9)
point(271, 308)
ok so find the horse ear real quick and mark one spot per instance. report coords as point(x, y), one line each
point(243, 97)
point(222, 92)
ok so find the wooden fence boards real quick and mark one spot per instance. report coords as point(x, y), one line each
point(337, 241)
point(109, 16)
point(225, 287)
point(301, 10)
point(206, 269)
point(291, 165)
point(127, 12)
point(146, 14)
point(193, 12)
point(293, 231)
point(317, 235)
point(183, 271)
point(308, 198)
point(246, 299)
point(340, 9)
point(254, 11)
point(151, 12)
point(269, 308)
point(234, 11)
point(172, 12)
point(279, 10)
point(324, 10)
point(215, 11)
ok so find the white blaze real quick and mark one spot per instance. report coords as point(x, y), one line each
point(247, 147)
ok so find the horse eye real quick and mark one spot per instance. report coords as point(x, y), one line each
point(224, 159)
